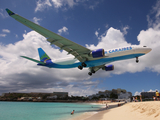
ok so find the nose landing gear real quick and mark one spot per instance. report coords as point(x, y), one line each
point(137, 60)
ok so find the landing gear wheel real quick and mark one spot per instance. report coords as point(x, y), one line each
point(80, 67)
point(93, 71)
point(84, 64)
point(90, 73)
point(137, 60)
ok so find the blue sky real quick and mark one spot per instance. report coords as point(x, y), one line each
point(91, 23)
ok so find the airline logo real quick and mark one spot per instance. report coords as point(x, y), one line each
point(118, 50)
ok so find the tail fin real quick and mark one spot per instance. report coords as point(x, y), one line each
point(43, 56)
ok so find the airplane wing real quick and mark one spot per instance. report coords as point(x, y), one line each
point(80, 52)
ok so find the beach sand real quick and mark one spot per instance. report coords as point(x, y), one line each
point(149, 110)
point(130, 111)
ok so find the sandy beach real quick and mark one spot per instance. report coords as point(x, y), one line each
point(97, 115)
point(129, 111)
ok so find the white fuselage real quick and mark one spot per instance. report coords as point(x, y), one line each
point(117, 53)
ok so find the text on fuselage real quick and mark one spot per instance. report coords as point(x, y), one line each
point(118, 50)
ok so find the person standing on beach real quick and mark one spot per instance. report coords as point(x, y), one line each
point(157, 95)
point(107, 106)
point(154, 98)
point(141, 98)
point(133, 99)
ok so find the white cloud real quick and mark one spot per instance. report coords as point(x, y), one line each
point(56, 3)
point(63, 30)
point(35, 20)
point(5, 30)
point(110, 39)
point(64, 4)
point(60, 3)
point(124, 30)
point(96, 33)
point(137, 93)
point(3, 35)
point(152, 90)
point(153, 17)
point(42, 5)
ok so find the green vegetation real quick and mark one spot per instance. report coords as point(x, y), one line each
point(113, 96)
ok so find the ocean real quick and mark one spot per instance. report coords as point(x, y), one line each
point(43, 110)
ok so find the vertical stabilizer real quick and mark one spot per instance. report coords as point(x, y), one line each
point(43, 56)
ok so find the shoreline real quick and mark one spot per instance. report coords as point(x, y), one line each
point(87, 114)
point(96, 115)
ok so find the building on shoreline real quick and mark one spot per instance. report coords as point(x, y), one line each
point(60, 94)
point(119, 93)
point(148, 95)
point(126, 95)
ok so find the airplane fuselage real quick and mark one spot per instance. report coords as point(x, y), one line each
point(111, 55)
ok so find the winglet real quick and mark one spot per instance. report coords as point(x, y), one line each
point(9, 12)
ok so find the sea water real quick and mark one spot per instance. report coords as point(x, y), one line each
point(43, 110)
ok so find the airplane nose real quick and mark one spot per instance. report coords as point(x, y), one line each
point(148, 50)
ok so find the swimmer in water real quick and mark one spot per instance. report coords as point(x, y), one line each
point(72, 112)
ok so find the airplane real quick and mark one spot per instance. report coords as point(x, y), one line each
point(83, 57)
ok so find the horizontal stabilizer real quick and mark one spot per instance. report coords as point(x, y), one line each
point(34, 60)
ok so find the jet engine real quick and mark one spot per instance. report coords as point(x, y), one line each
point(108, 68)
point(97, 53)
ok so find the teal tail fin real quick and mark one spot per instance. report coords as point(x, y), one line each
point(43, 56)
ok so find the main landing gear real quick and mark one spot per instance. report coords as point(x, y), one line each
point(90, 73)
point(137, 60)
point(82, 65)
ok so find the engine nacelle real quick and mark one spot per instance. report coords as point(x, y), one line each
point(97, 53)
point(108, 68)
